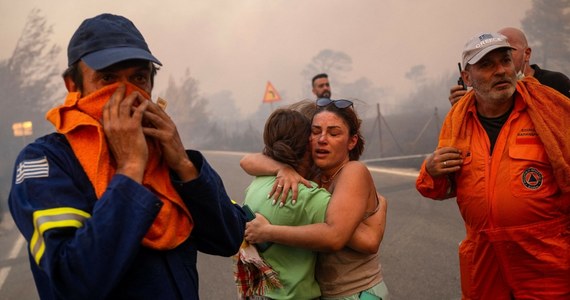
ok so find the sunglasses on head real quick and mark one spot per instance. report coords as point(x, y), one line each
point(342, 103)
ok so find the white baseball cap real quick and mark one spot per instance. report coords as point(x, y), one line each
point(481, 44)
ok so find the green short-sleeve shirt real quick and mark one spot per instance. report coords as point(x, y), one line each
point(296, 266)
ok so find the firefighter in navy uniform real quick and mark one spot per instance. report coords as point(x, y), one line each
point(112, 205)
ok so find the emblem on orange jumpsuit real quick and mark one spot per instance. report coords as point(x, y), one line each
point(532, 178)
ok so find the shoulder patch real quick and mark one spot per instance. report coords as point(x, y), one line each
point(532, 178)
point(37, 168)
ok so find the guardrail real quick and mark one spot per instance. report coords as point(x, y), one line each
point(372, 160)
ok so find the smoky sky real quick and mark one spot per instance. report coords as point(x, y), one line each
point(239, 45)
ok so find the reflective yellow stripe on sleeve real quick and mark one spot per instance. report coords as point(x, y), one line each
point(47, 219)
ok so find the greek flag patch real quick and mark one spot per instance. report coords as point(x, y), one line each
point(38, 168)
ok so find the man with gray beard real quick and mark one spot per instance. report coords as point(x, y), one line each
point(504, 152)
point(521, 56)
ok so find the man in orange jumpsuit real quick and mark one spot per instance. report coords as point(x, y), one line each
point(504, 152)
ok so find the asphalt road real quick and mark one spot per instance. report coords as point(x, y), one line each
point(418, 253)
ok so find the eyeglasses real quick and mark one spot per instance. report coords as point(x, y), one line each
point(342, 103)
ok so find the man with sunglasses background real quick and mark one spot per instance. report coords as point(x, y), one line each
point(321, 86)
point(504, 153)
point(112, 205)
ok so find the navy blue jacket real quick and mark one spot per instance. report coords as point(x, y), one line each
point(91, 249)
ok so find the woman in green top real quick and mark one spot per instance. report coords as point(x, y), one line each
point(285, 137)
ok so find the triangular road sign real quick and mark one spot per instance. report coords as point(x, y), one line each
point(271, 94)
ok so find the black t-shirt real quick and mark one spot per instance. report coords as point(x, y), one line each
point(493, 126)
point(555, 80)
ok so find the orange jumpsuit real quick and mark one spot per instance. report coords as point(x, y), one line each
point(516, 217)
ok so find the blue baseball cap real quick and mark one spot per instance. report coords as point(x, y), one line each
point(105, 40)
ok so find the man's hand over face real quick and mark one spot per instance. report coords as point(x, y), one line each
point(161, 128)
point(122, 119)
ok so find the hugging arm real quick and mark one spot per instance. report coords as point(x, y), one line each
point(343, 216)
point(258, 164)
point(370, 232)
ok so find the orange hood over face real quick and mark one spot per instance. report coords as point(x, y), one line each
point(79, 120)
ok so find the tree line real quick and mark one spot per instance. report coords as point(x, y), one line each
point(30, 82)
